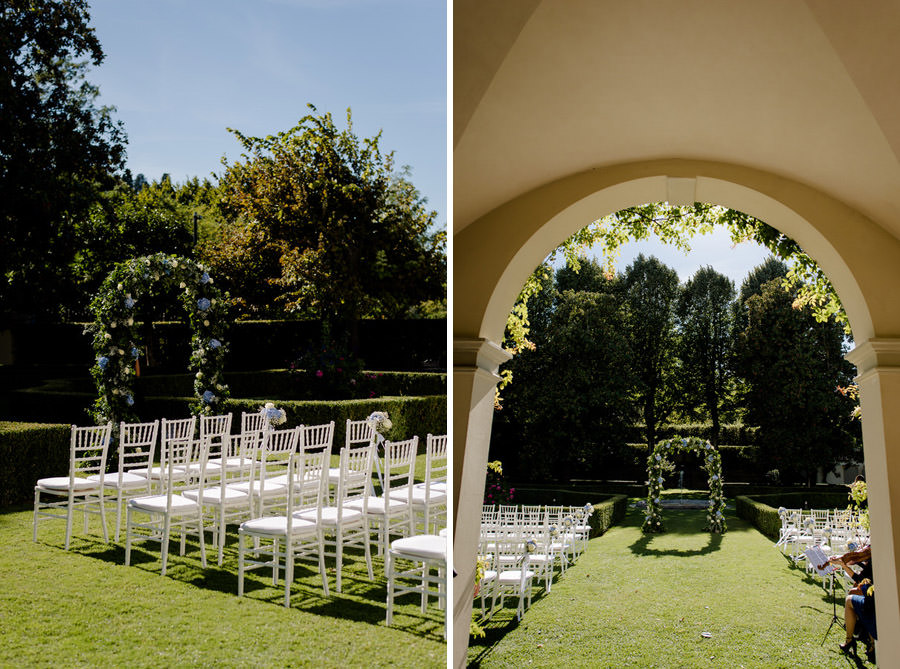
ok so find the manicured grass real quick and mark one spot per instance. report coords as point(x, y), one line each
point(635, 600)
point(84, 608)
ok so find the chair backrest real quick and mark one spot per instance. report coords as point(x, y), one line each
point(88, 448)
point(252, 422)
point(137, 445)
point(359, 432)
point(355, 476)
point(274, 460)
point(435, 461)
point(400, 466)
point(308, 482)
point(217, 430)
point(317, 437)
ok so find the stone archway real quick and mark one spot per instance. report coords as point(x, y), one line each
point(117, 343)
point(657, 464)
point(495, 254)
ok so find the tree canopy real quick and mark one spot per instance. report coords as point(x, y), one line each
point(339, 232)
point(57, 148)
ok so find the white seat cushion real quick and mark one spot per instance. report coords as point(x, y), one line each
point(418, 496)
point(213, 495)
point(424, 546)
point(277, 526)
point(127, 481)
point(157, 503)
point(272, 488)
point(376, 505)
point(62, 483)
point(330, 516)
point(514, 576)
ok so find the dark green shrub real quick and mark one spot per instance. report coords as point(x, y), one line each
point(28, 452)
point(762, 516)
point(607, 513)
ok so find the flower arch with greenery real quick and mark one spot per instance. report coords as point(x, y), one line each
point(117, 344)
point(658, 463)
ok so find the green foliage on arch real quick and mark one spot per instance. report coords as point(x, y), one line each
point(117, 342)
point(658, 463)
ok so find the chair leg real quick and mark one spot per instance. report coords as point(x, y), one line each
point(288, 571)
point(103, 517)
point(128, 536)
point(389, 570)
point(368, 550)
point(338, 556)
point(118, 513)
point(69, 512)
point(221, 532)
point(37, 503)
point(164, 546)
point(240, 563)
point(202, 536)
point(274, 562)
point(321, 539)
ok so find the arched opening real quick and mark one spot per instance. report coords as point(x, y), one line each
point(495, 254)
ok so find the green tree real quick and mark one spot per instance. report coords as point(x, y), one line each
point(354, 236)
point(57, 150)
point(792, 365)
point(651, 294)
point(706, 319)
point(566, 414)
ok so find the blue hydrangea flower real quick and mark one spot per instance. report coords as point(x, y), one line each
point(208, 397)
point(102, 361)
point(135, 353)
point(214, 343)
point(203, 304)
point(129, 400)
point(204, 278)
point(660, 479)
point(658, 457)
point(129, 303)
point(715, 477)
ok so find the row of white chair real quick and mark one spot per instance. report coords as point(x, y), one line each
point(519, 544)
point(202, 484)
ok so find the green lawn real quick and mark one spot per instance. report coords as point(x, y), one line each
point(84, 608)
point(635, 600)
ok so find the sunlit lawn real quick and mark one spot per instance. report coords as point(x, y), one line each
point(84, 608)
point(635, 600)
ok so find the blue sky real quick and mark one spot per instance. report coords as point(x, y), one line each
point(180, 72)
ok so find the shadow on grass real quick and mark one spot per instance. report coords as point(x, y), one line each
point(361, 600)
point(642, 547)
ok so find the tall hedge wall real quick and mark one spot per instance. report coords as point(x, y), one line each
point(28, 452)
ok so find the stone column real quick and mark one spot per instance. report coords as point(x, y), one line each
point(878, 366)
point(475, 365)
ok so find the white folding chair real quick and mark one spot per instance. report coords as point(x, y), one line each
point(514, 575)
point(268, 481)
point(429, 499)
point(171, 510)
point(347, 524)
point(390, 512)
point(82, 488)
point(357, 433)
point(180, 431)
point(300, 537)
point(137, 446)
point(216, 430)
point(426, 552)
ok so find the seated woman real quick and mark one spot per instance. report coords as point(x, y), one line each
point(859, 612)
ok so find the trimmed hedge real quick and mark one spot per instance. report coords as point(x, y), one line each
point(607, 513)
point(28, 452)
point(759, 514)
point(762, 510)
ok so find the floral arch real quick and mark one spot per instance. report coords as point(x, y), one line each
point(117, 344)
point(658, 463)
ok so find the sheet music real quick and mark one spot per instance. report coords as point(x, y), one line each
point(817, 558)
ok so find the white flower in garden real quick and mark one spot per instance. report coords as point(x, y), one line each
point(199, 375)
point(182, 285)
point(120, 351)
point(113, 324)
point(107, 335)
point(119, 287)
point(206, 323)
point(130, 321)
point(174, 263)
